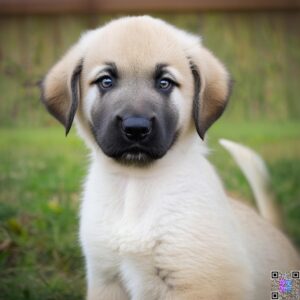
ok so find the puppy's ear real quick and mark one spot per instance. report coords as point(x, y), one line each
point(61, 87)
point(212, 89)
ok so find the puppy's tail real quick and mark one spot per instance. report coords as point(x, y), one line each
point(255, 170)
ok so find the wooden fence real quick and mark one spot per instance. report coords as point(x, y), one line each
point(125, 6)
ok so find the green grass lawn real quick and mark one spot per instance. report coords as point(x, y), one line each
point(41, 172)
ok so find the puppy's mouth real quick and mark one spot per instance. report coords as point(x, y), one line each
point(136, 155)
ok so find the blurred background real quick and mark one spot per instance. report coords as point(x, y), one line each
point(41, 171)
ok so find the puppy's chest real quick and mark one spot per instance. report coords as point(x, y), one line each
point(127, 219)
point(124, 216)
point(153, 230)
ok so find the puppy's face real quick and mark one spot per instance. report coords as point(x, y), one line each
point(133, 115)
point(136, 85)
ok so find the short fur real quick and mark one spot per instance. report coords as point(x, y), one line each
point(158, 224)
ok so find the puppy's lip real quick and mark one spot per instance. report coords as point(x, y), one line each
point(136, 149)
point(135, 155)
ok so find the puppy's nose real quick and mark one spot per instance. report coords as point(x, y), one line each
point(136, 128)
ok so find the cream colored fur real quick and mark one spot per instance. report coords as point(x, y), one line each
point(258, 176)
point(168, 231)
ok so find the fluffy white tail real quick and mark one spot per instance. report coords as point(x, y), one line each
point(255, 170)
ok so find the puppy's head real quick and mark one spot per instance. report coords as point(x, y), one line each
point(135, 86)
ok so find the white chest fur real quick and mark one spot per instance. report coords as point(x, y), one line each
point(131, 224)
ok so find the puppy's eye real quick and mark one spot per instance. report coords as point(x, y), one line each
point(105, 82)
point(165, 84)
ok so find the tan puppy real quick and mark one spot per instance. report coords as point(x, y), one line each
point(156, 222)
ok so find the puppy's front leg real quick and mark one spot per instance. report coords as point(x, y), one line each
point(111, 291)
point(104, 284)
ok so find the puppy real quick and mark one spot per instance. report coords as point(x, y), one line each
point(155, 221)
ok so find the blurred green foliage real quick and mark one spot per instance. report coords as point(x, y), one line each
point(261, 51)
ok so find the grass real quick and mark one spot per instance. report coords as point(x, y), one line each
point(40, 179)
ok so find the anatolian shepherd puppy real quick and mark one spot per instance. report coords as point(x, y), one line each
point(155, 221)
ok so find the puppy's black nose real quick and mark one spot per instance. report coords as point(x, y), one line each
point(136, 128)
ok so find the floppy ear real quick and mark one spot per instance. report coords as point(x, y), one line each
point(212, 86)
point(61, 88)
